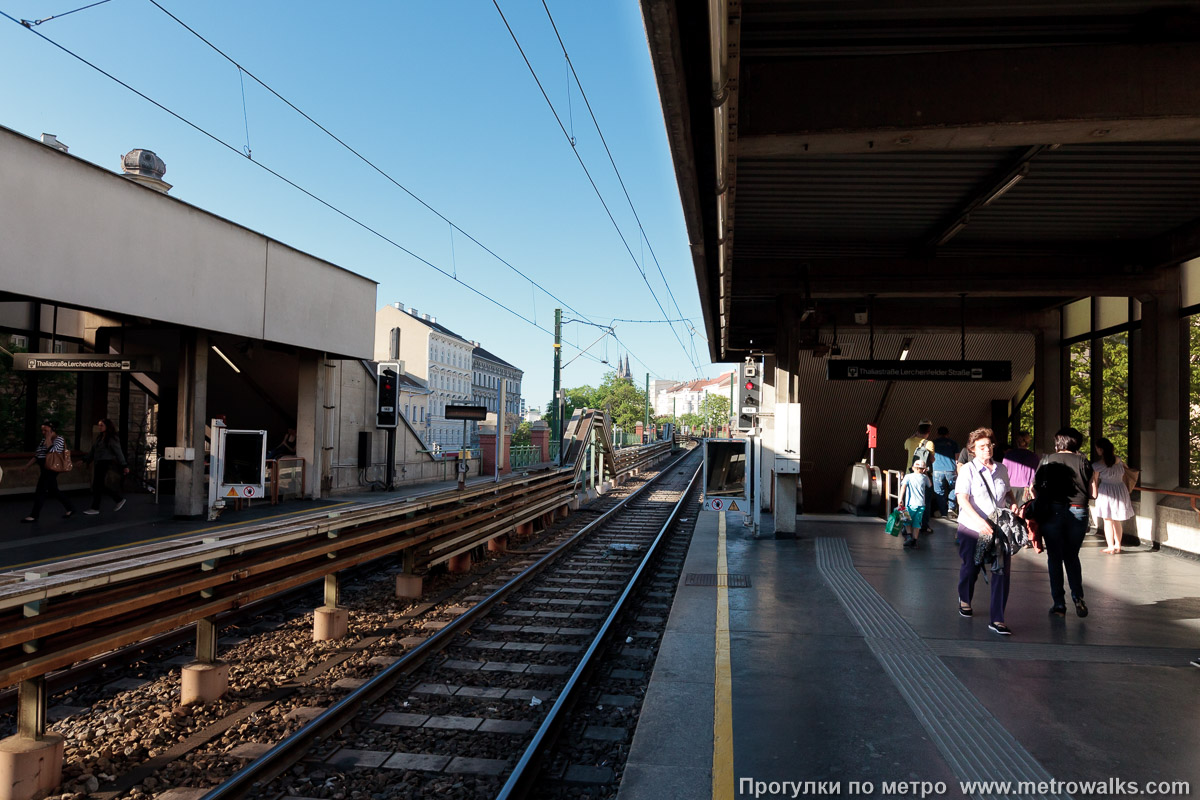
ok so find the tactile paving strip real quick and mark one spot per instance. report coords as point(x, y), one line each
point(955, 719)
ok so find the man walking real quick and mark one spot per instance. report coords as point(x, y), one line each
point(945, 472)
point(919, 446)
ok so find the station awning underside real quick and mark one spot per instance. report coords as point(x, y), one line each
point(874, 151)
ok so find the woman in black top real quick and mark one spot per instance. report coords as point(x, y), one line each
point(107, 456)
point(47, 483)
point(1062, 487)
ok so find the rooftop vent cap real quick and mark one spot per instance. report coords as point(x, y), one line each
point(146, 168)
point(398, 305)
point(50, 140)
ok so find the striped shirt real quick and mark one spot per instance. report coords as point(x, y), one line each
point(58, 446)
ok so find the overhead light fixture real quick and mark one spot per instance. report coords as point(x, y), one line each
point(225, 358)
point(997, 193)
point(953, 231)
point(905, 346)
point(806, 313)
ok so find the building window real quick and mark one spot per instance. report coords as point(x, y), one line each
point(18, 341)
point(1114, 361)
point(1079, 385)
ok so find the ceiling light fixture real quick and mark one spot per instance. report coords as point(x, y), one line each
point(905, 346)
point(225, 358)
point(1012, 181)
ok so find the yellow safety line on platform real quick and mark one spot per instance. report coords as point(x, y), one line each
point(169, 536)
point(722, 767)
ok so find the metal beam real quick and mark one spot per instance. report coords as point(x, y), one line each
point(1006, 97)
point(997, 276)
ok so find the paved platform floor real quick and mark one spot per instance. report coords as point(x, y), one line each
point(142, 521)
point(848, 662)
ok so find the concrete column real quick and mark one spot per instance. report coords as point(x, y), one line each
point(310, 417)
point(459, 563)
point(786, 364)
point(331, 621)
point(1050, 403)
point(487, 450)
point(191, 493)
point(1157, 401)
point(206, 679)
point(30, 768)
point(638, 430)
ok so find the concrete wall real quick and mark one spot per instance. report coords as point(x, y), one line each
point(354, 397)
point(74, 233)
point(1171, 523)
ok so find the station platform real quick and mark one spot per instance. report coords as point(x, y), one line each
point(142, 521)
point(845, 662)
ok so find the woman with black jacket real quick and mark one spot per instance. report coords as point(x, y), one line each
point(106, 455)
point(1062, 488)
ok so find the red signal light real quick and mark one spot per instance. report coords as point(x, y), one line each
point(749, 386)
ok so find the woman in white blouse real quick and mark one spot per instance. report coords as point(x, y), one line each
point(982, 484)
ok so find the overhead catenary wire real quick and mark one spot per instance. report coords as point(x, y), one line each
point(592, 181)
point(363, 158)
point(608, 152)
point(283, 178)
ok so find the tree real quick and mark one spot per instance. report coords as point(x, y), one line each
point(1114, 365)
point(522, 436)
point(715, 410)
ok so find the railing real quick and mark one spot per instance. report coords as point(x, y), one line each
point(554, 446)
point(524, 455)
point(1192, 496)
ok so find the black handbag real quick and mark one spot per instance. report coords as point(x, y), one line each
point(1010, 530)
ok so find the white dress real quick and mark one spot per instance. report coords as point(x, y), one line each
point(1113, 501)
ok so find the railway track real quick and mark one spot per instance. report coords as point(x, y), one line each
point(139, 743)
point(475, 707)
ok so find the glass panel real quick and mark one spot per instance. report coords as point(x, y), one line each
point(1025, 417)
point(1079, 380)
point(1111, 311)
point(1077, 318)
point(1114, 361)
point(1193, 449)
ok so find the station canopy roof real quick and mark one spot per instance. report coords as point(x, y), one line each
point(835, 155)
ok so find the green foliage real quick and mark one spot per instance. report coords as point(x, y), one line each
point(693, 421)
point(1079, 377)
point(522, 436)
point(625, 401)
point(715, 410)
point(56, 401)
point(1026, 415)
point(1193, 451)
point(1114, 364)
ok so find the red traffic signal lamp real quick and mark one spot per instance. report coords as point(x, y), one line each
point(387, 406)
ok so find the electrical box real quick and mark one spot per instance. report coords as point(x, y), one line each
point(787, 438)
point(364, 449)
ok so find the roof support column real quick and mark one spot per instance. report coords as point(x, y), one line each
point(1158, 367)
point(1050, 407)
point(191, 493)
point(787, 353)
point(312, 398)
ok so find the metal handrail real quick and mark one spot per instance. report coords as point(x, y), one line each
point(255, 775)
point(1192, 495)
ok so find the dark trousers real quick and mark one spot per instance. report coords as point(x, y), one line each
point(1062, 534)
point(100, 487)
point(969, 573)
point(47, 486)
point(943, 489)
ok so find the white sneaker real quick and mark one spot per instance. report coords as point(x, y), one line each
point(119, 506)
point(91, 512)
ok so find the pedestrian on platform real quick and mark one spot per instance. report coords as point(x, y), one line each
point(1113, 503)
point(919, 446)
point(982, 485)
point(1061, 488)
point(1021, 463)
point(47, 484)
point(913, 493)
point(945, 470)
point(106, 457)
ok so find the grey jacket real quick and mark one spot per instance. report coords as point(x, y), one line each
point(107, 449)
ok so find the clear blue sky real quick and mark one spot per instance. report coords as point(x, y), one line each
point(438, 96)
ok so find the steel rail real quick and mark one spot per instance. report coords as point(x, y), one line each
point(523, 777)
point(251, 780)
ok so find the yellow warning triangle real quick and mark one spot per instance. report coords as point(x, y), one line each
point(232, 492)
point(733, 505)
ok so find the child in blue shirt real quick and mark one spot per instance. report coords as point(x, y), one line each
point(913, 491)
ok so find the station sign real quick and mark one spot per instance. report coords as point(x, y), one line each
point(909, 370)
point(84, 362)
point(474, 413)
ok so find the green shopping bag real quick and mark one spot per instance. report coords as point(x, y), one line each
point(894, 523)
